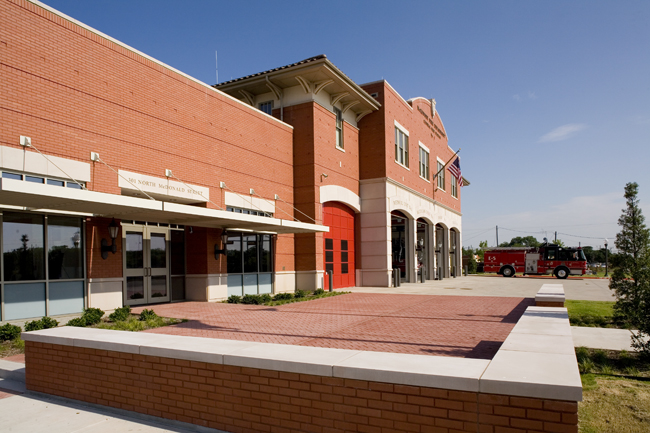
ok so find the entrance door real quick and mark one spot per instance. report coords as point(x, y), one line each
point(339, 245)
point(146, 265)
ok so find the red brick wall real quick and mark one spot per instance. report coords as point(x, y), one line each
point(96, 267)
point(379, 128)
point(238, 399)
point(74, 92)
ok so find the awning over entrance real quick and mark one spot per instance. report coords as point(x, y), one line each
point(41, 197)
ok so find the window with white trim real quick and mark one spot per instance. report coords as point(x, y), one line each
point(441, 175)
point(424, 163)
point(267, 107)
point(401, 147)
point(454, 187)
point(339, 127)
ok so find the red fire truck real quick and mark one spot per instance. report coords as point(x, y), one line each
point(548, 259)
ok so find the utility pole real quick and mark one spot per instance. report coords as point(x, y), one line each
point(556, 237)
point(497, 236)
point(216, 61)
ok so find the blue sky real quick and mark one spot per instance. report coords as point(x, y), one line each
point(549, 100)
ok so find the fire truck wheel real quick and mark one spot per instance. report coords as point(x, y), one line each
point(562, 273)
point(507, 271)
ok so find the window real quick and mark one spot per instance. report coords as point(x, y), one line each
point(339, 128)
point(401, 147)
point(424, 163)
point(38, 179)
point(441, 175)
point(249, 211)
point(454, 187)
point(267, 107)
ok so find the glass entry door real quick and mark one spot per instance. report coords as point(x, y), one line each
point(146, 263)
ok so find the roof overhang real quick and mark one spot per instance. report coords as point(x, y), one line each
point(43, 198)
point(313, 76)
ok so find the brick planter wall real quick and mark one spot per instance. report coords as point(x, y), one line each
point(241, 399)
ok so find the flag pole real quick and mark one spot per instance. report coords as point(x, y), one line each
point(443, 167)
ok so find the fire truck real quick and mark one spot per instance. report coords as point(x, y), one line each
point(547, 259)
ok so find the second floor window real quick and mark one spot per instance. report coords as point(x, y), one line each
point(424, 163)
point(401, 147)
point(454, 187)
point(441, 175)
point(267, 107)
point(339, 128)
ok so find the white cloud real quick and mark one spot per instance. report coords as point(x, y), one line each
point(563, 132)
point(532, 95)
point(516, 97)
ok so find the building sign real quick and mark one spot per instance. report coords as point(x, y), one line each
point(158, 186)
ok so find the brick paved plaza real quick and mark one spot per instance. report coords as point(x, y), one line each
point(468, 327)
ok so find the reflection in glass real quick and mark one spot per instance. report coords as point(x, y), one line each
point(178, 288)
point(135, 287)
point(64, 248)
point(234, 254)
point(158, 251)
point(250, 253)
point(159, 286)
point(177, 251)
point(134, 254)
point(265, 253)
point(22, 246)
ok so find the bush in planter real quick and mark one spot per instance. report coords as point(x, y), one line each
point(120, 314)
point(9, 332)
point(251, 299)
point(48, 322)
point(92, 315)
point(300, 294)
point(264, 298)
point(147, 315)
point(319, 292)
point(234, 299)
point(282, 296)
point(44, 323)
point(79, 322)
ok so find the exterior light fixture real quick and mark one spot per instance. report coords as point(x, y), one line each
point(113, 229)
point(224, 242)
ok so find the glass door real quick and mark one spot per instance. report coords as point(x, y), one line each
point(146, 264)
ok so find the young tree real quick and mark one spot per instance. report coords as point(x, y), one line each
point(631, 270)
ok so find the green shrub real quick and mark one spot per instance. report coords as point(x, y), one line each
point(34, 325)
point(9, 332)
point(79, 322)
point(282, 296)
point(92, 315)
point(264, 298)
point(234, 299)
point(120, 314)
point(319, 292)
point(300, 294)
point(48, 322)
point(251, 300)
point(147, 315)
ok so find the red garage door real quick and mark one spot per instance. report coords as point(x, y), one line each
point(339, 244)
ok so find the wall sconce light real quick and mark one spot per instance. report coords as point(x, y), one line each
point(323, 176)
point(113, 229)
point(224, 242)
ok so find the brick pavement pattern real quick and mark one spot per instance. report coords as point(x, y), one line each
point(464, 327)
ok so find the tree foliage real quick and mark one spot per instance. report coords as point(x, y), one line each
point(521, 241)
point(630, 279)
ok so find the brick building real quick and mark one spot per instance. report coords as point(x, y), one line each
point(126, 182)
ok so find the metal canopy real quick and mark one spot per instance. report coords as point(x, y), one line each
point(41, 197)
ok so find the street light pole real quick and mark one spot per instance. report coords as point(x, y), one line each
point(606, 259)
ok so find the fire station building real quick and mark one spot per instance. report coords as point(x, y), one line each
point(126, 182)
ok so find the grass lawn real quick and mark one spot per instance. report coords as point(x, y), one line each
point(12, 347)
point(134, 324)
point(598, 314)
point(616, 392)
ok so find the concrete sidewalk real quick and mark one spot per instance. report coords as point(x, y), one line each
point(602, 338)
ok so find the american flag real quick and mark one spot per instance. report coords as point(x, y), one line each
point(454, 168)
